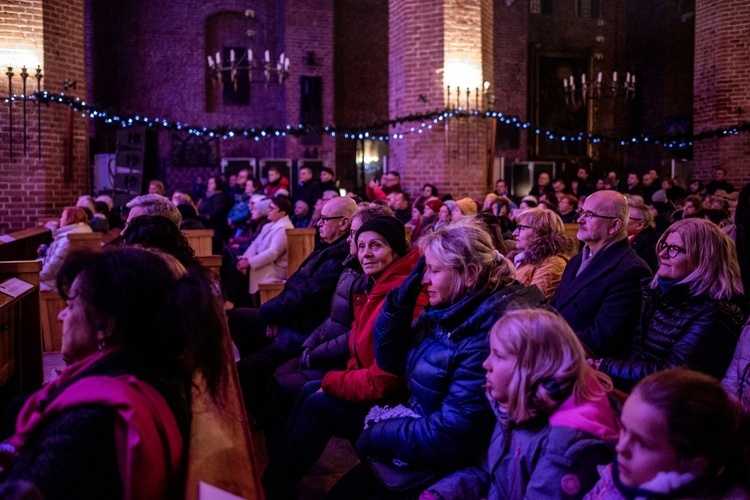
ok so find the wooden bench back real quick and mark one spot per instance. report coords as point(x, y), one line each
point(20, 346)
point(85, 241)
point(221, 451)
point(200, 240)
point(300, 242)
point(211, 262)
point(22, 245)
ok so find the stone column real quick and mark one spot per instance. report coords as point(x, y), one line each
point(433, 45)
point(721, 84)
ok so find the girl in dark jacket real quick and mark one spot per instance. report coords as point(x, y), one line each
point(448, 421)
point(691, 314)
point(555, 422)
point(682, 437)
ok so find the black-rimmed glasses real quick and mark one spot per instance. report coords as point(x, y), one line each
point(323, 219)
point(672, 250)
point(588, 214)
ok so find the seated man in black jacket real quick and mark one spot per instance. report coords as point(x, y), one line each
point(641, 233)
point(599, 293)
point(273, 334)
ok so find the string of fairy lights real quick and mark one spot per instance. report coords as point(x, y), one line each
point(417, 123)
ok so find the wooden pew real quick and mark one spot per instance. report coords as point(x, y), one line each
point(300, 242)
point(571, 229)
point(200, 240)
point(211, 262)
point(221, 451)
point(20, 345)
point(22, 245)
point(111, 236)
point(51, 303)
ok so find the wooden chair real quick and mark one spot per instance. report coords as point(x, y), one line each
point(22, 245)
point(571, 229)
point(20, 345)
point(221, 451)
point(300, 242)
point(200, 240)
point(51, 303)
point(211, 262)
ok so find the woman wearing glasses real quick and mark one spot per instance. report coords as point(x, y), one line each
point(692, 310)
point(544, 249)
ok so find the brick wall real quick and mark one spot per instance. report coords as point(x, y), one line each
point(722, 86)
point(51, 32)
point(150, 58)
point(433, 46)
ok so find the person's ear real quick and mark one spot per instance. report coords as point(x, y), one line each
point(105, 328)
point(472, 275)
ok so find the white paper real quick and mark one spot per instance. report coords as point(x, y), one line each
point(15, 287)
point(210, 492)
point(5, 238)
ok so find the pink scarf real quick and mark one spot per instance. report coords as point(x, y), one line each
point(149, 444)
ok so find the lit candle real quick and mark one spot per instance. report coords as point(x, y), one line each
point(583, 78)
point(267, 56)
point(286, 64)
point(218, 59)
point(614, 77)
point(231, 56)
point(599, 77)
point(210, 61)
point(565, 83)
point(632, 80)
point(249, 55)
point(281, 59)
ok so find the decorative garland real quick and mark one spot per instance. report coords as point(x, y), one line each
point(425, 120)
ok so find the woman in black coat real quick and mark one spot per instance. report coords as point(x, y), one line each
point(692, 310)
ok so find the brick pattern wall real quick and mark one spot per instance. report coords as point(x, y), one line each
point(31, 187)
point(425, 37)
point(721, 86)
point(155, 64)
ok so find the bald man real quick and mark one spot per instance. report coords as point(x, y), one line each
point(284, 322)
point(600, 293)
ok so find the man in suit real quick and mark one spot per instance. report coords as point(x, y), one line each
point(641, 233)
point(599, 294)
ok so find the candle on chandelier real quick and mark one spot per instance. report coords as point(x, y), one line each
point(599, 77)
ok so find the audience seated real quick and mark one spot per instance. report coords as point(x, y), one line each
point(153, 204)
point(265, 258)
point(682, 437)
point(307, 189)
point(273, 334)
point(277, 183)
point(115, 423)
point(555, 424)
point(302, 214)
point(160, 233)
point(72, 221)
point(239, 214)
point(599, 294)
point(215, 208)
point(462, 208)
point(692, 310)
point(447, 421)
point(337, 405)
point(543, 249)
point(641, 233)
point(327, 347)
point(737, 379)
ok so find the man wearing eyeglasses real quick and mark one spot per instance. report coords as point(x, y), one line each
point(273, 334)
point(599, 294)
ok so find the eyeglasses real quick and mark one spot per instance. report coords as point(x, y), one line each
point(521, 226)
point(588, 214)
point(672, 250)
point(322, 220)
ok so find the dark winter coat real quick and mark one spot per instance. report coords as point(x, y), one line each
point(678, 329)
point(602, 304)
point(305, 301)
point(445, 378)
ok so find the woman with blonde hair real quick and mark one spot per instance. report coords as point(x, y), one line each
point(692, 309)
point(554, 421)
point(447, 421)
point(544, 249)
point(73, 220)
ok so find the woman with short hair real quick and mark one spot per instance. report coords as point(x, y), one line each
point(692, 309)
point(447, 421)
point(544, 249)
point(72, 221)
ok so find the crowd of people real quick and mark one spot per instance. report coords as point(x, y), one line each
point(466, 348)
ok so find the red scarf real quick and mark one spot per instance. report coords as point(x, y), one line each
point(148, 440)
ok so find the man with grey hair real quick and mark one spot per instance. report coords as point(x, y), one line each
point(641, 233)
point(153, 204)
point(599, 294)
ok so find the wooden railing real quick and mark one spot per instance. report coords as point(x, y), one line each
point(200, 240)
point(300, 242)
point(20, 346)
point(22, 245)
